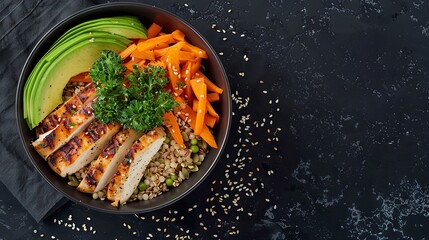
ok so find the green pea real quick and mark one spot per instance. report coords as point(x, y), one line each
point(136, 191)
point(142, 186)
point(194, 148)
point(169, 182)
point(194, 141)
point(167, 140)
point(173, 177)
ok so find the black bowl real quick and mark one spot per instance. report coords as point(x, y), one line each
point(170, 22)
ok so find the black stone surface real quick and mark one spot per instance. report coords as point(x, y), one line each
point(329, 137)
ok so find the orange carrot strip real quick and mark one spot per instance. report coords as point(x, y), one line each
point(213, 97)
point(210, 85)
point(170, 122)
point(195, 67)
point(153, 42)
point(178, 35)
point(81, 77)
point(198, 51)
point(200, 90)
point(188, 90)
point(189, 116)
point(195, 105)
point(127, 51)
point(187, 56)
point(146, 54)
point(172, 62)
point(161, 46)
point(163, 51)
point(129, 65)
point(211, 111)
point(201, 113)
point(209, 120)
point(153, 30)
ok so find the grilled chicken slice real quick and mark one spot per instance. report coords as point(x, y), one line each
point(67, 109)
point(83, 148)
point(52, 140)
point(102, 170)
point(87, 94)
point(133, 166)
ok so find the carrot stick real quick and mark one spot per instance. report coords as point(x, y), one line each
point(213, 97)
point(153, 30)
point(153, 42)
point(129, 65)
point(187, 56)
point(198, 51)
point(209, 120)
point(195, 105)
point(187, 75)
point(211, 111)
point(172, 62)
point(171, 123)
point(127, 51)
point(200, 90)
point(210, 85)
point(189, 116)
point(159, 52)
point(178, 35)
point(145, 54)
point(195, 67)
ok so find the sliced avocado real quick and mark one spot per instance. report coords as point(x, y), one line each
point(68, 59)
point(127, 26)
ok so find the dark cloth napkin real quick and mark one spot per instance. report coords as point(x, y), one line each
point(22, 24)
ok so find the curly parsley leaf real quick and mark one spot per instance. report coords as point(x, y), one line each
point(139, 103)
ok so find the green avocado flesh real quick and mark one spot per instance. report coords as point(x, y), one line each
point(74, 53)
point(127, 26)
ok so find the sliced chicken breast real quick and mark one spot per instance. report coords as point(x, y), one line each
point(83, 148)
point(102, 170)
point(133, 166)
point(87, 94)
point(70, 107)
point(65, 111)
point(57, 137)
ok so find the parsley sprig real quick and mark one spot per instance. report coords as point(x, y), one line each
point(138, 101)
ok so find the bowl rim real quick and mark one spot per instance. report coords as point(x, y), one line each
point(36, 49)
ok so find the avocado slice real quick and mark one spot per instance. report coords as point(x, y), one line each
point(44, 91)
point(127, 26)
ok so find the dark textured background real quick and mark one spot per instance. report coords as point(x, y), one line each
point(329, 138)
